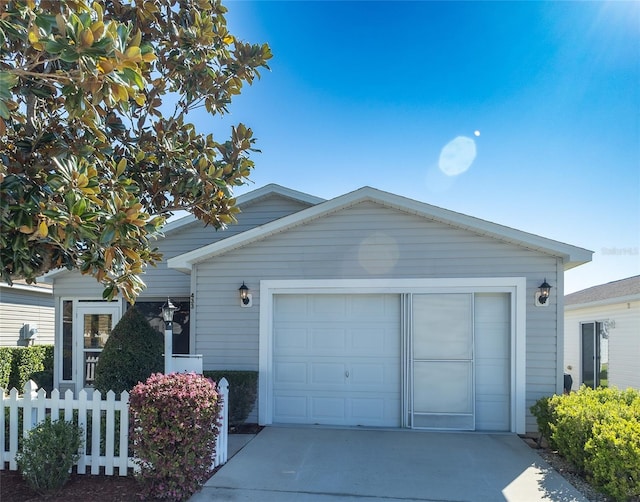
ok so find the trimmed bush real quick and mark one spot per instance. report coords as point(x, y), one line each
point(243, 389)
point(48, 453)
point(174, 424)
point(29, 360)
point(6, 356)
point(133, 352)
point(542, 411)
point(599, 432)
point(613, 457)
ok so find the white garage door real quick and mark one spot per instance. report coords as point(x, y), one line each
point(336, 359)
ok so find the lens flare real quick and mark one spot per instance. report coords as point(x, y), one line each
point(457, 156)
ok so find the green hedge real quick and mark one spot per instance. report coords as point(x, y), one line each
point(20, 364)
point(6, 355)
point(243, 389)
point(599, 432)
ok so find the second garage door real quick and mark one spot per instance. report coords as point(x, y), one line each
point(336, 359)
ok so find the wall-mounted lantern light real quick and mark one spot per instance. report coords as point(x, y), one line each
point(542, 295)
point(245, 296)
point(168, 309)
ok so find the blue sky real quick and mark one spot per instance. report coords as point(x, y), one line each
point(544, 98)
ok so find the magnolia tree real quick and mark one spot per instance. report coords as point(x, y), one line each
point(96, 148)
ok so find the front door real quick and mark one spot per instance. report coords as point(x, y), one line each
point(92, 328)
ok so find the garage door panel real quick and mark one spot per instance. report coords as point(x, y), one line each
point(295, 307)
point(381, 375)
point(324, 373)
point(368, 409)
point(374, 340)
point(373, 307)
point(290, 339)
point(327, 305)
point(292, 409)
point(328, 409)
point(290, 373)
point(352, 358)
point(328, 340)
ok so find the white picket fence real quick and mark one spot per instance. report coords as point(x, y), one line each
point(108, 419)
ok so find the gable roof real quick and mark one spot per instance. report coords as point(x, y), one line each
point(611, 292)
point(242, 200)
point(571, 255)
point(249, 198)
point(21, 284)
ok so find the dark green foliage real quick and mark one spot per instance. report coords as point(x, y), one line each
point(599, 432)
point(243, 389)
point(44, 380)
point(541, 410)
point(133, 352)
point(29, 360)
point(6, 355)
point(48, 453)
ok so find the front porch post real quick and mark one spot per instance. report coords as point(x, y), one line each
point(168, 310)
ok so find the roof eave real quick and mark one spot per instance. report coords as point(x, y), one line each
point(572, 256)
point(249, 197)
point(603, 302)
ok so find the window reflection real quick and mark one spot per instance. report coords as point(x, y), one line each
point(67, 339)
point(97, 328)
point(152, 311)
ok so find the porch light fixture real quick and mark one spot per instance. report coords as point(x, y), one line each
point(542, 295)
point(168, 309)
point(245, 295)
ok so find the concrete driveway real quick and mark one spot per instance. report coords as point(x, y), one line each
point(287, 464)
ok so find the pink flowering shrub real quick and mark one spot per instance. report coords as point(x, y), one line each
point(174, 424)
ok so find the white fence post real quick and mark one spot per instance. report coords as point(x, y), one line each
point(222, 440)
point(29, 415)
point(13, 429)
point(36, 406)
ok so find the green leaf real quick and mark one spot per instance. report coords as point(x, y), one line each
point(107, 235)
point(8, 79)
point(54, 46)
point(108, 292)
point(79, 207)
point(133, 77)
point(46, 22)
point(4, 111)
point(69, 55)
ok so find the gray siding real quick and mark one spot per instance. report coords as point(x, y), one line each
point(19, 307)
point(162, 282)
point(368, 241)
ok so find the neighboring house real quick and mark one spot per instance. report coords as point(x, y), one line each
point(368, 309)
point(26, 314)
point(602, 335)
